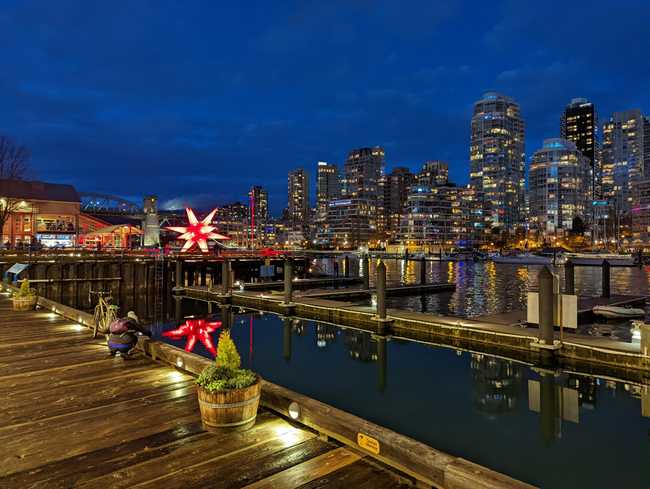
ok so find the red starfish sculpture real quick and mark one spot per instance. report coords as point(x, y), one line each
point(197, 232)
point(195, 329)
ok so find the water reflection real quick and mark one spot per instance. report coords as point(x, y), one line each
point(477, 406)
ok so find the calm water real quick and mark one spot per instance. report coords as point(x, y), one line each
point(558, 431)
point(487, 288)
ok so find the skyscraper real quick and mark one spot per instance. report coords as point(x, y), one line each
point(579, 124)
point(623, 158)
point(559, 184)
point(298, 189)
point(259, 213)
point(433, 173)
point(363, 168)
point(394, 189)
point(328, 187)
point(497, 159)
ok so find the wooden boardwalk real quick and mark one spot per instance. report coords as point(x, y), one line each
point(71, 416)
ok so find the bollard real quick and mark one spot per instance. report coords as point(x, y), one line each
point(569, 278)
point(546, 306)
point(178, 310)
point(645, 339)
point(346, 266)
point(606, 278)
point(226, 283)
point(381, 290)
point(288, 281)
point(366, 272)
point(423, 271)
point(178, 276)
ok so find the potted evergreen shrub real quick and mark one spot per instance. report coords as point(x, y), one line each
point(228, 395)
point(25, 299)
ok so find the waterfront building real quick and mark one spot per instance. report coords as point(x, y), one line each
point(258, 199)
point(559, 186)
point(348, 223)
point(497, 159)
point(298, 193)
point(42, 212)
point(353, 219)
point(328, 187)
point(394, 189)
point(233, 221)
point(579, 124)
point(428, 220)
point(623, 158)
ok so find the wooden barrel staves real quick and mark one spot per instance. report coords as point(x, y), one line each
point(24, 303)
point(231, 410)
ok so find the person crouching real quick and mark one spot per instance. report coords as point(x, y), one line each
point(124, 334)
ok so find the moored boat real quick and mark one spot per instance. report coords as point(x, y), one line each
point(598, 258)
point(616, 312)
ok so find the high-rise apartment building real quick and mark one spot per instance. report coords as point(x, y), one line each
point(298, 193)
point(362, 171)
point(559, 185)
point(328, 187)
point(579, 124)
point(434, 173)
point(497, 159)
point(259, 213)
point(352, 220)
point(623, 159)
point(394, 189)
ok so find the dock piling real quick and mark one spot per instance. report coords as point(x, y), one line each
point(381, 290)
point(346, 266)
point(423, 271)
point(288, 281)
point(606, 279)
point(365, 265)
point(226, 283)
point(569, 278)
point(546, 306)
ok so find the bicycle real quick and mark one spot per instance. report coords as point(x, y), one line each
point(105, 312)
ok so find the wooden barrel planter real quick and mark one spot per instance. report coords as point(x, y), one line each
point(231, 410)
point(24, 303)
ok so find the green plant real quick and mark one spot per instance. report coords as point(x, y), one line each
point(224, 373)
point(25, 290)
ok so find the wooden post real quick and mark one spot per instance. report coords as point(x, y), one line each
point(346, 266)
point(226, 316)
point(546, 306)
point(645, 339)
point(178, 274)
point(178, 312)
point(226, 283)
point(288, 281)
point(381, 290)
point(204, 273)
point(423, 271)
point(366, 271)
point(569, 278)
point(606, 279)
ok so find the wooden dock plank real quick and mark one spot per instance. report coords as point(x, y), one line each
point(75, 417)
point(308, 471)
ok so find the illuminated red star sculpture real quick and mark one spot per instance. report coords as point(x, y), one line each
point(197, 232)
point(196, 329)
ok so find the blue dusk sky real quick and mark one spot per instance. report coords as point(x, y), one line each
point(197, 101)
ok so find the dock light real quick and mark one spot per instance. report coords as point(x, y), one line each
point(373, 301)
point(294, 410)
point(179, 362)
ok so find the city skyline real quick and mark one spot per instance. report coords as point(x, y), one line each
point(176, 95)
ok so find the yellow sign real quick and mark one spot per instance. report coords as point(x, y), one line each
point(368, 443)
